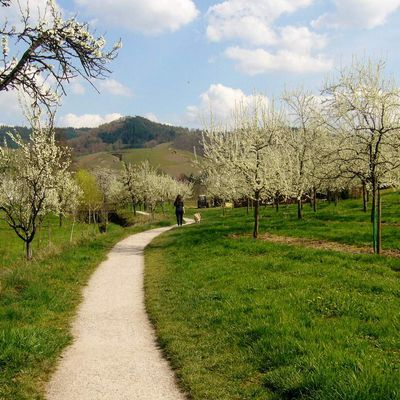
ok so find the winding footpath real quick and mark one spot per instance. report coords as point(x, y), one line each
point(114, 354)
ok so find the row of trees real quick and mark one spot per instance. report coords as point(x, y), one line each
point(35, 181)
point(349, 135)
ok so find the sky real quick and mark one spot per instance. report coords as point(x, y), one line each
point(182, 58)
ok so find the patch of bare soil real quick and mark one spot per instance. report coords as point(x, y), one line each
point(321, 244)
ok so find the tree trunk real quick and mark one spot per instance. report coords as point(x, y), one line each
point(134, 209)
point(28, 250)
point(374, 217)
point(248, 206)
point(315, 199)
point(256, 216)
point(336, 198)
point(277, 204)
point(72, 230)
point(60, 219)
point(364, 194)
point(379, 223)
point(299, 209)
point(373, 205)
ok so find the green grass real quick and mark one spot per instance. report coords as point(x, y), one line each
point(345, 223)
point(39, 299)
point(49, 238)
point(171, 161)
point(246, 319)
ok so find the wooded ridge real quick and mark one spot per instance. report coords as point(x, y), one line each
point(124, 133)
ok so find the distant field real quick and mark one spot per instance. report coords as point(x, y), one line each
point(171, 161)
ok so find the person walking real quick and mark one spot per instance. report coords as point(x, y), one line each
point(179, 209)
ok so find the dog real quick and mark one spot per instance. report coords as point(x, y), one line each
point(197, 218)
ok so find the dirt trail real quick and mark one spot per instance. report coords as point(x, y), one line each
point(114, 354)
point(322, 244)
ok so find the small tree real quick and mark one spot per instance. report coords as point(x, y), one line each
point(131, 184)
point(110, 189)
point(91, 198)
point(69, 194)
point(250, 148)
point(304, 142)
point(30, 179)
point(363, 113)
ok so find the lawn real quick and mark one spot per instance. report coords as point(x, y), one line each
point(38, 299)
point(248, 319)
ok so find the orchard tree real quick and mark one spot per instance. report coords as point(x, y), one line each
point(363, 112)
point(69, 194)
point(31, 177)
point(304, 141)
point(91, 198)
point(250, 148)
point(131, 184)
point(222, 182)
point(50, 49)
point(143, 182)
point(110, 189)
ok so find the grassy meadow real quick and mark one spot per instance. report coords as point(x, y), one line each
point(250, 319)
point(171, 161)
point(38, 299)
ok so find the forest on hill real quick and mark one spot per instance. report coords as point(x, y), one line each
point(124, 133)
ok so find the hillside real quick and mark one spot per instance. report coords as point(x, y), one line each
point(124, 133)
point(163, 156)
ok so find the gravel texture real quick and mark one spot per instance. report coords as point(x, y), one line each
point(114, 354)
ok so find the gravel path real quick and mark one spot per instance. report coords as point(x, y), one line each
point(114, 354)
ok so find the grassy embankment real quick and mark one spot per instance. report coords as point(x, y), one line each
point(38, 299)
point(246, 319)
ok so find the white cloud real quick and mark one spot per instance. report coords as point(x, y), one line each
point(249, 29)
point(219, 101)
point(249, 20)
point(296, 46)
point(151, 116)
point(259, 61)
point(266, 47)
point(301, 40)
point(114, 87)
point(150, 17)
point(358, 14)
point(86, 120)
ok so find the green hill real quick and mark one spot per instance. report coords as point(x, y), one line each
point(168, 159)
point(124, 133)
point(128, 133)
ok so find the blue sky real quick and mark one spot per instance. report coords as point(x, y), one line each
point(182, 57)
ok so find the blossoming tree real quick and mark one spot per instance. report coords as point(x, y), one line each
point(304, 141)
point(30, 179)
point(51, 49)
point(363, 115)
point(251, 148)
